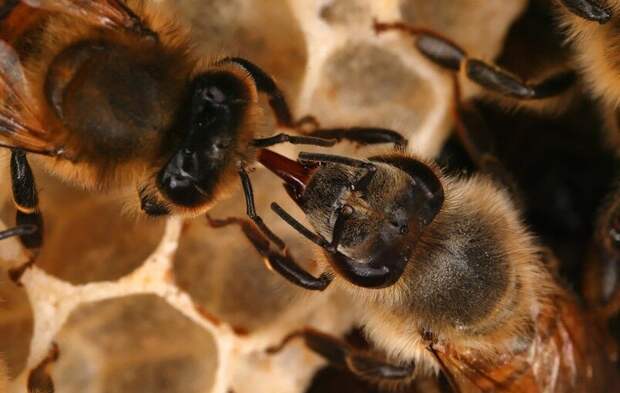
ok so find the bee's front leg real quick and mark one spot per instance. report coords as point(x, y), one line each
point(262, 238)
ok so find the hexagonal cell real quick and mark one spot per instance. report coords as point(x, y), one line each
point(133, 344)
point(370, 85)
point(16, 325)
point(87, 236)
point(266, 33)
point(97, 241)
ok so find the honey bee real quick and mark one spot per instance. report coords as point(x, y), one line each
point(111, 96)
point(450, 279)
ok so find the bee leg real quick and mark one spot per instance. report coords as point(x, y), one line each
point(360, 274)
point(447, 54)
point(602, 275)
point(284, 118)
point(330, 136)
point(39, 379)
point(20, 230)
point(248, 193)
point(262, 237)
point(262, 143)
point(588, 9)
point(309, 125)
point(26, 200)
point(267, 85)
point(28, 217)
point(279, 261)
point(339, 353)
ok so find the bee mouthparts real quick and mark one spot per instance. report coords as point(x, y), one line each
point(295, 174)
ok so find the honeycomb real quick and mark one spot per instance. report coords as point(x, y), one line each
point(137, 305)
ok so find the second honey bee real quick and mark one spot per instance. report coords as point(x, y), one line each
point(449, 278)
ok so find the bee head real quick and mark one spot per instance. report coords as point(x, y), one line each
point(209, 127)
point(370, 213)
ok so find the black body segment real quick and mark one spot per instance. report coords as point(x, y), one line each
point(20, 230)
point(26, 200)
point(267, 85)
point(496, 79)
point(441, 51)
point(448, 55)
point(248, 192)
point(211, 121)
point(361, 135)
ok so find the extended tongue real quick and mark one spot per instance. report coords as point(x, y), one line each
point(295, 174)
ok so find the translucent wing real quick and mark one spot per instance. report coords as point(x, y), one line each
point(567, 354)
point(20, 126)
point(468, 375)
point(108, 13)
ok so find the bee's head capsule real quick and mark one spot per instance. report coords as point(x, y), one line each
point(369, 213)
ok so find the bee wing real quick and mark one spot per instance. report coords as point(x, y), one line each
point(20, 126)
point(472, 375)
point(567, 354)
point(107, 13)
